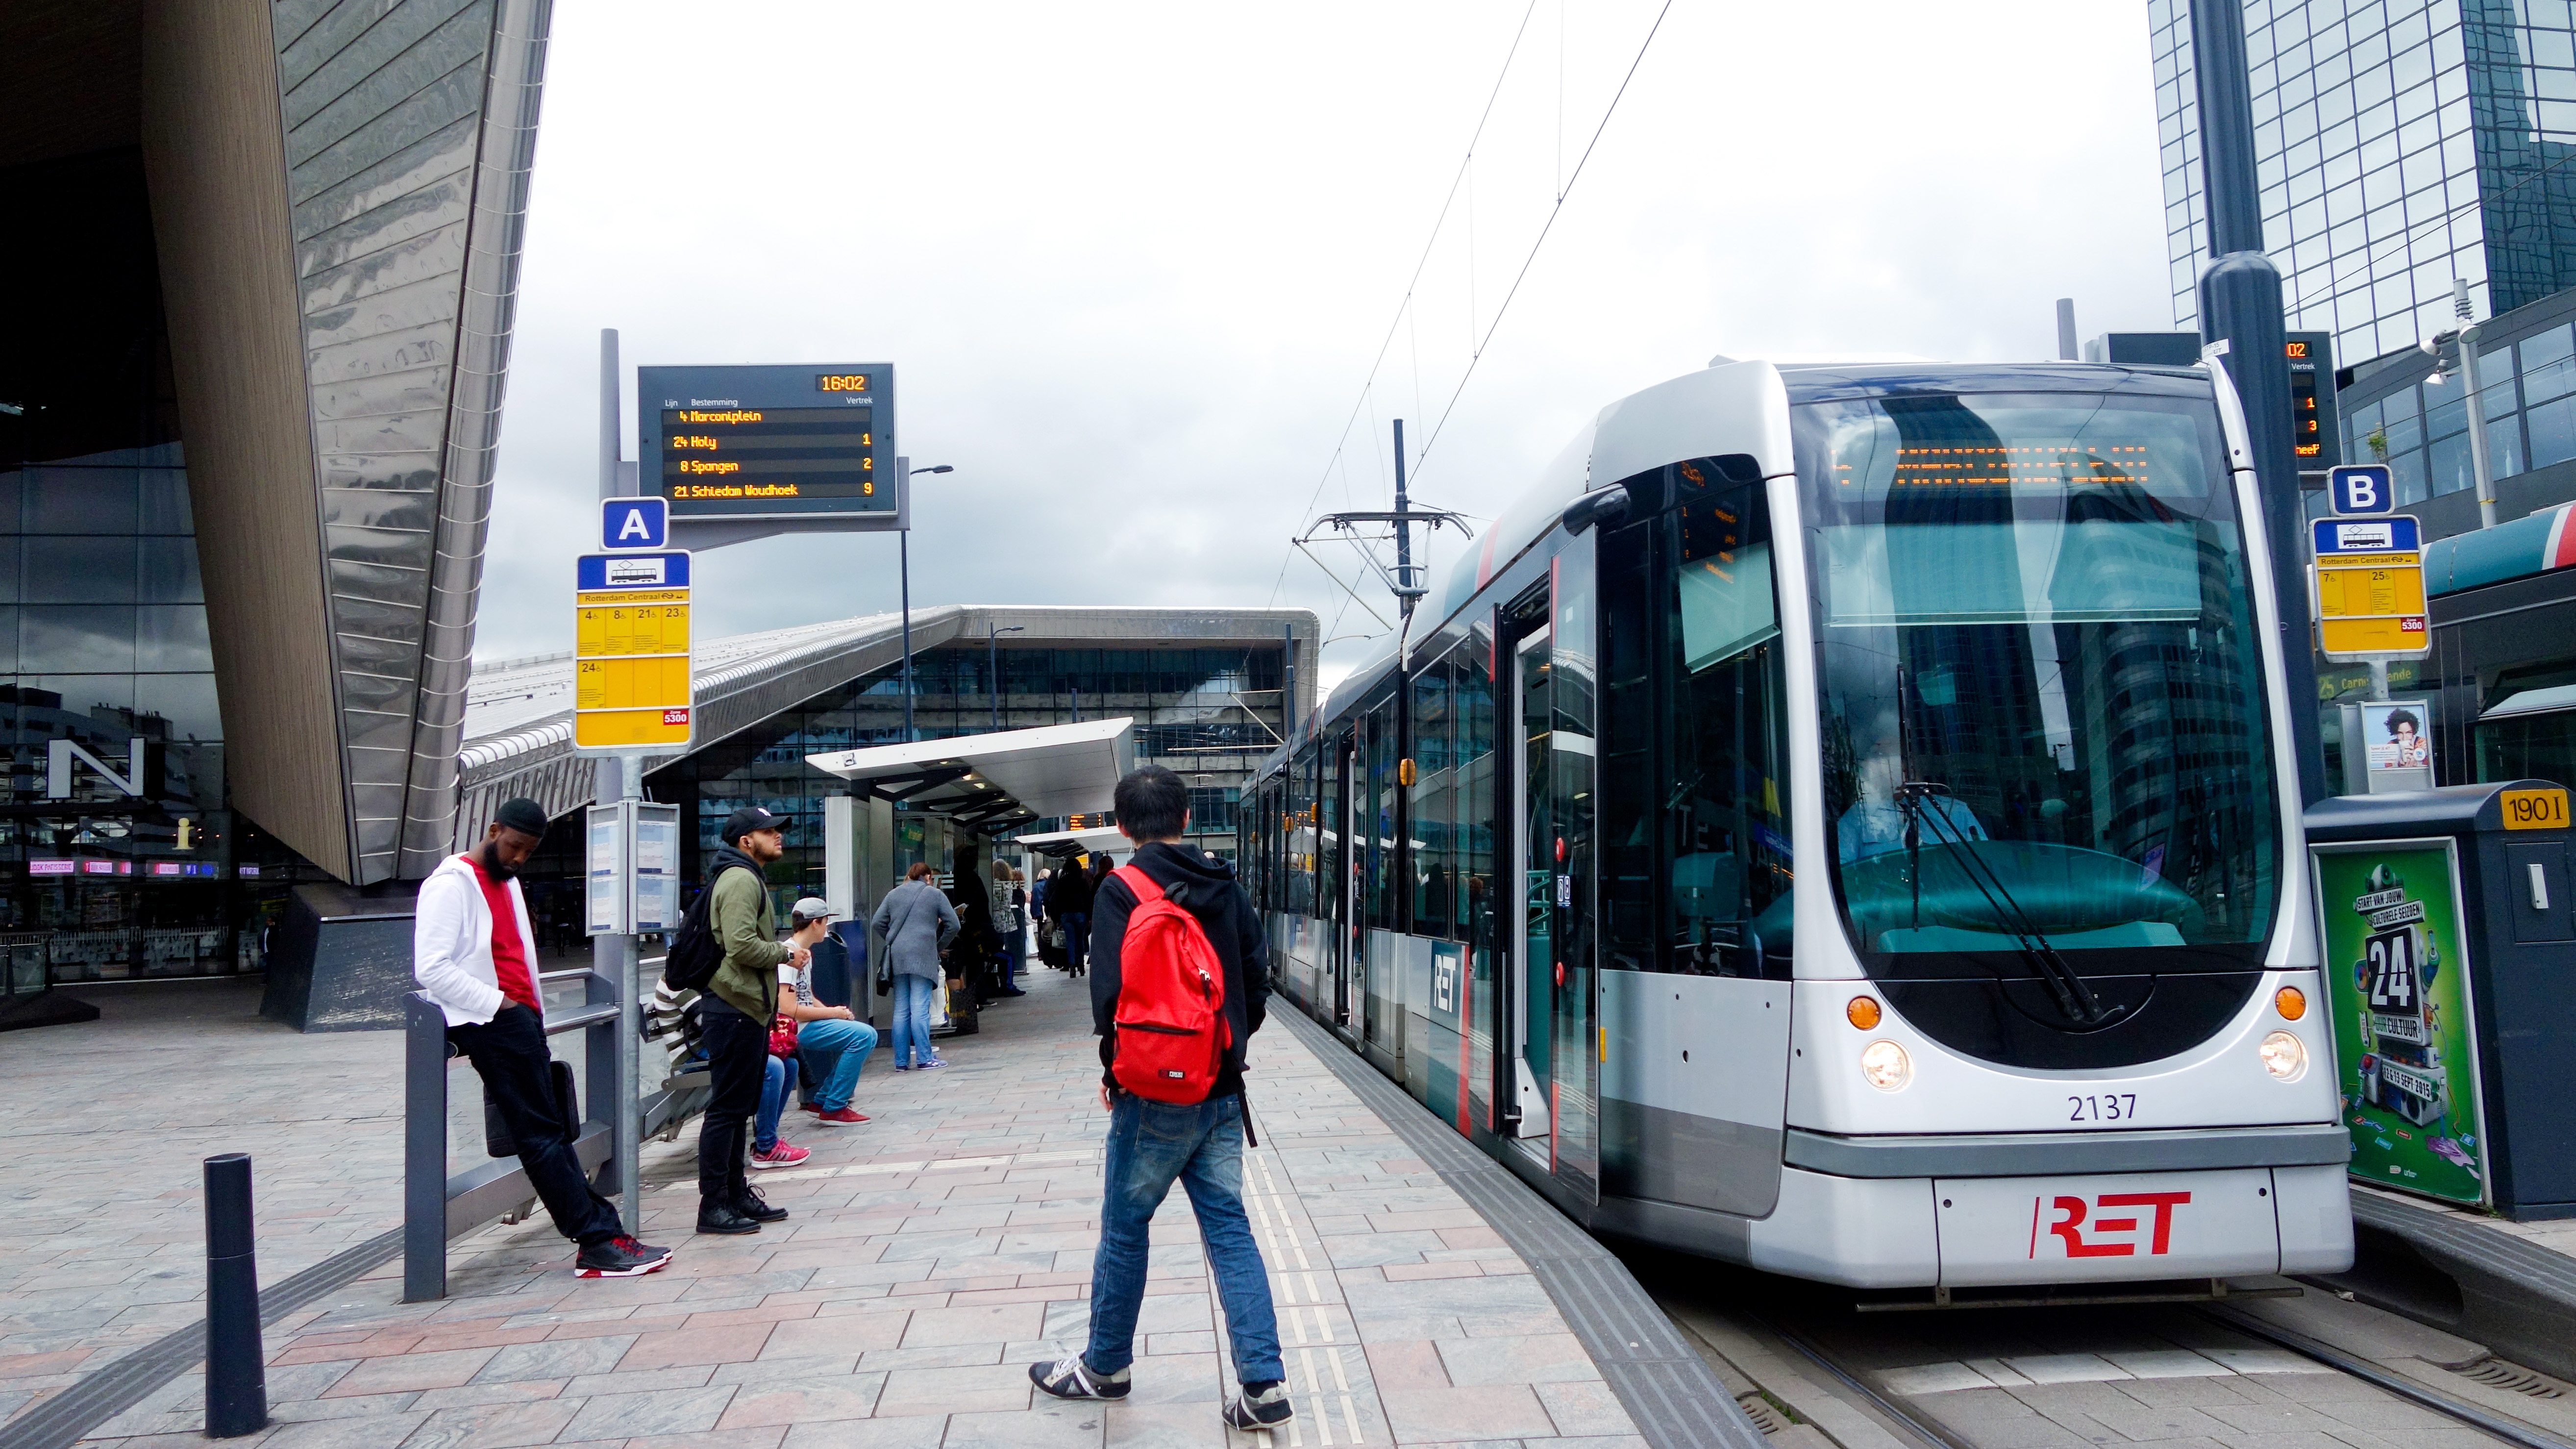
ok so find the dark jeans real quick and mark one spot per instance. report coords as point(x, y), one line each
point(737, 1059)
point(509, 1054)
point(1077, 939)
point(1152, 1145)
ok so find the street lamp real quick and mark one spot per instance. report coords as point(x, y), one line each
point(993, 666)
point(903, 547)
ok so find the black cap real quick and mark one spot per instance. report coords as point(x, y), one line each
point(523, 815)
point(748, 819)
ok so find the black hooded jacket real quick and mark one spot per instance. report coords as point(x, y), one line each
point(1204, 886)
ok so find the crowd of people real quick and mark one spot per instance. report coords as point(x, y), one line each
point(1156, 936)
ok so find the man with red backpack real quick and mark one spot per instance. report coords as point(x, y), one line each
point(1179, 981)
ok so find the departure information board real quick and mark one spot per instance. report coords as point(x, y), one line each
point(808, 442)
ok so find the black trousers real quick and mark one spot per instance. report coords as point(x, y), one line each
point(737, 1060)
point(509, 1054)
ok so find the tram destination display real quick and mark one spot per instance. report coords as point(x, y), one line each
point(808, 442)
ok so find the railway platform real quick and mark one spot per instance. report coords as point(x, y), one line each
point(933, 1253)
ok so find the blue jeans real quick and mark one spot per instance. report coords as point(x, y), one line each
point(1077, 939)
point(835, 1050)
point(1019, 955)
point(773, 1100)
point(912, 998)
point(1151, 1144)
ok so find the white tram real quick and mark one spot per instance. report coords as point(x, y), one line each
point(1840, 821)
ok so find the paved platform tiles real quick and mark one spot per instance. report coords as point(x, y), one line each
point(935, 1253)
point(103, 1131)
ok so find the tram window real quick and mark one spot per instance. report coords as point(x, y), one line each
point(1302, 832)
point(1628, 845)
point(1472, 697)
point(2035, 642)
point(1725, 841)
point(1435, 791)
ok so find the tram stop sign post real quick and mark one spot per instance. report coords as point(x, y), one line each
point(2368, 575)
point(633, 689)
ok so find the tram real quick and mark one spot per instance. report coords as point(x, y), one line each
point(1838, 821)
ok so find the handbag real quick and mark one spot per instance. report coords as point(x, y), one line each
point(782, 1035)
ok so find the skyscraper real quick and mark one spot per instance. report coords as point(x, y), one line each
point(2398, 145)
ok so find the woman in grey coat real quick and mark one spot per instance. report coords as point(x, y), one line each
point(916, 922)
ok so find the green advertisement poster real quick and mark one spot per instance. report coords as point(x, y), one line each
point(2397, 985)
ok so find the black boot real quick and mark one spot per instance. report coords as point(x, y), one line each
point(716, 1217)
point(755, 1207)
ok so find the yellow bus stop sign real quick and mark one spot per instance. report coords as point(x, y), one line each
point(632, 684)
point(2369, 589)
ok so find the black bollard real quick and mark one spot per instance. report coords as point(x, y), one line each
point(236, 1381)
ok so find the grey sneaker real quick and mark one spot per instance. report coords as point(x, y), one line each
point(1262, 1406)
point(1071, 1378)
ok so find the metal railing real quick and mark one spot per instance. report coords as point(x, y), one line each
point(438, 1206)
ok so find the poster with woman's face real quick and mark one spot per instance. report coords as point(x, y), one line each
point(2396, 734)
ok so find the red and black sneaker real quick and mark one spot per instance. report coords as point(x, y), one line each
point(620, 1257)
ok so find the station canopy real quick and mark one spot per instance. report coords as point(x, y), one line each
point(992, 782)
point(1075, 842)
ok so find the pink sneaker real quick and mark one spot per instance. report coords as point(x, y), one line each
point(785, 1154)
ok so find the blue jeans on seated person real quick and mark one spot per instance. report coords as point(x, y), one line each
point(773, 1100)
point(834, 1051)
point(1150, 1145)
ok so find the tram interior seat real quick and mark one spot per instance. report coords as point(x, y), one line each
point(2081, 899)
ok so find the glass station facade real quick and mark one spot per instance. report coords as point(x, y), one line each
point(118, 855)
point(1209, 714)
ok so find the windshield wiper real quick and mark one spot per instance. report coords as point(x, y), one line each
point(2074, 994)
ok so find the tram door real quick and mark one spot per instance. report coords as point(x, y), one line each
point(1529, 1025)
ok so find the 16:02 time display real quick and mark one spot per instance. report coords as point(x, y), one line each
point(841, 382)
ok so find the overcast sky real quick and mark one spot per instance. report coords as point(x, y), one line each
point(1134, 263)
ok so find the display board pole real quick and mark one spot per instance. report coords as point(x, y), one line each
point(903, 553)
point(620, 777)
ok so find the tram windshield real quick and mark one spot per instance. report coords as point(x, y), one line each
point(2040, 683)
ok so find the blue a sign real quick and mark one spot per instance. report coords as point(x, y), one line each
point(626, 523)
point(2366, 535)
point(2361, 488)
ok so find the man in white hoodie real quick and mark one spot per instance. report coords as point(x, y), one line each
point(474, 954)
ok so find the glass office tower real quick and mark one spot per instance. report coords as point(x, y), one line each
point(2399, 145)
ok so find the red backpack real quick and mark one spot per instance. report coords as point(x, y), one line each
point(1172, 1032)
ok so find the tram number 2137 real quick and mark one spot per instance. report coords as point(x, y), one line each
point(2108, 1107)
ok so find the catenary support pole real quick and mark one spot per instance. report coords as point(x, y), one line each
point(1287, 683)
point(2240, 305)
point(620, 777)
point(1403, 531)
point(2066, 329)
point(236, 1382)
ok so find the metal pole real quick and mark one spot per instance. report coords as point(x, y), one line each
point(236, 1382)
point(1403, 530)
point(903, 554)
point(2480, 460)
point(2240, 304)
point(2066, 329)
point(1287, 683)
point(620, 777)
point(993, 671)
point(424, 1150)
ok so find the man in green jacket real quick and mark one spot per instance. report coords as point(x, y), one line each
point(735, 1018)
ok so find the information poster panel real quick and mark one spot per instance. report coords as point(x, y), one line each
point(2405, 1043)
point(657, 868)
point(604, 870)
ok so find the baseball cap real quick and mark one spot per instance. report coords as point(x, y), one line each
point(748, 819)
point(812, 908)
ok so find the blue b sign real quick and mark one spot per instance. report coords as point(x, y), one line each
point(2362, 488)
point(634, 523)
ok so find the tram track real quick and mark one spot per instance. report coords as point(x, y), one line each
point(1825, 1369)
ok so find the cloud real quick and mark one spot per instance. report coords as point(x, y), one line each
point(1133, 263)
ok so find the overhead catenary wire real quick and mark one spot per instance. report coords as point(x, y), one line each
point(1412, 283)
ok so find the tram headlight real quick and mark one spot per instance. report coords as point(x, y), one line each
point(1886, 1066)
point(2284, 1056)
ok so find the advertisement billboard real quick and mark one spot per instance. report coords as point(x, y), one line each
point(2397, 990)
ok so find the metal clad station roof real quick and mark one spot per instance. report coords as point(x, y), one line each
point(996, 780)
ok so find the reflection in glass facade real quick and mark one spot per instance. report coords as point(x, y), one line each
point(118, 856)
point(1208, 713)
point(2398, 146)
